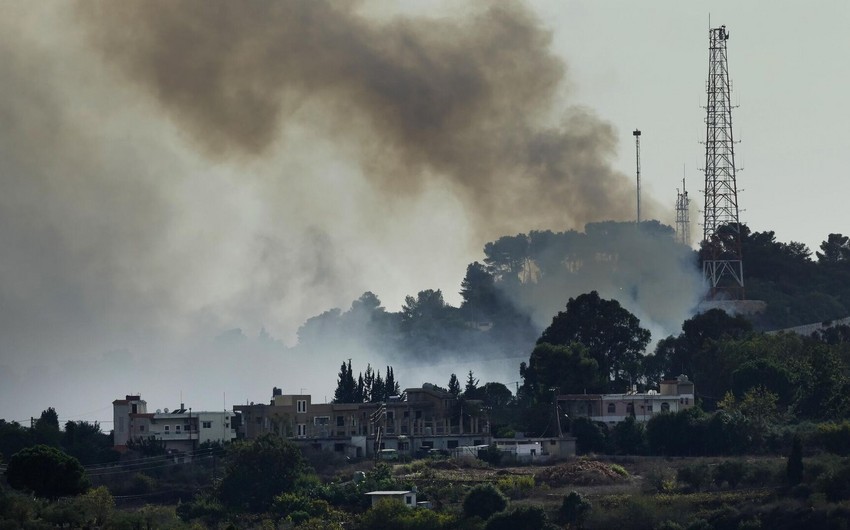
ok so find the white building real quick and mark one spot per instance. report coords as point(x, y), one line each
point(180, 430)
point(674, 395)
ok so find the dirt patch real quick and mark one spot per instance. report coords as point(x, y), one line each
point(579, 472)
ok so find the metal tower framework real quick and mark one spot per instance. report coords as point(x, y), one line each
point(683, 217)
point(636, 133)
point(722, 260)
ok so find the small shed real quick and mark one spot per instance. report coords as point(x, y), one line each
point(408, 498)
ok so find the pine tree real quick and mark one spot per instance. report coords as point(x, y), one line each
point(454, 385)
point(379, 390)
point(345, 387)
point(471, 384)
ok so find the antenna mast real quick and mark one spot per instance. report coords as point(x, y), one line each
point(683, 218)
point(722, 262)
point(636, 133)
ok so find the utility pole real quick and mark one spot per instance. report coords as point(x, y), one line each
point(636, 134)
point(683, 223)
point(722, 263)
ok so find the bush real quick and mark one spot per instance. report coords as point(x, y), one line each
point(492, 455)
point(730, 471)
point(393, 515)
point(47, 472)
point(660, 479)
point(521, 518)
point(516, 486)
point(620, 470)
point(574, 509)
point(483, 500)
point(695, 476)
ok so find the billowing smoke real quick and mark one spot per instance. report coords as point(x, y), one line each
point(172, 170)
point(463, 102)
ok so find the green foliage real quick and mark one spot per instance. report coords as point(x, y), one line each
point(660, 479)
point(574, 510)
point(520, 518)
point(620, 470)
point(46, 429)
point(483, 500)
point(568, 368)
point(492, 454)
point(298, 507)
point(259, 470)
point(47, 472)
point(516, 486)
point(834, 437)
point(13, 438)
point(629, 437)
point(729, 472)
point(393, 515)
point(87, 443)
point(611, 336)
point(205, 508)
point(591, 437)
point(694, 476)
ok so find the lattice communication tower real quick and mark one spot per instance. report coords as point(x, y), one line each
point(683, 217)
point(721, 247)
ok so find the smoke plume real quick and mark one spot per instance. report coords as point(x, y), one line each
point(463, 102)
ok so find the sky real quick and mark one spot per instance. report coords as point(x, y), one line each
point(167, 181)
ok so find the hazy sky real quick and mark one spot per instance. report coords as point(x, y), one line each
point(164, 183)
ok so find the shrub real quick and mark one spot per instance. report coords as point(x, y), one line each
point(393, 515)
point(516, 486)
point(695, 476)
point(574, 509)
point(521, 518)
point(620, 470)
point(492, 455)
point(660, 479)
point(483, 500)
point(730, 471)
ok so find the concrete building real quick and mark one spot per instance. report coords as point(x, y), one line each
point(408, 498)
point(181, 430)
point(419, 420)
point(674, 395)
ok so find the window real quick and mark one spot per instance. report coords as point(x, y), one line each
point(452, 444)
point(686, 400)
point(340, 421)
point(135, 408)
point(321, 420)
point(206, 424)
point(408, 499)
point(649, 408)
point(301, 406)
point(665, 407)
point(630, 408)
point(167, 429)
point(141, 428)
point(418, 414)
point(302, 430)
point(612, 408)
point(177, 428)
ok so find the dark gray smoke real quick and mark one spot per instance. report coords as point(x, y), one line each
point(463, 102)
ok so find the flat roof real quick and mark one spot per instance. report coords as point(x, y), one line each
point(389, 492)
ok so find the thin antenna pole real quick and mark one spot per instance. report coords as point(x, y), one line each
point(636, 134)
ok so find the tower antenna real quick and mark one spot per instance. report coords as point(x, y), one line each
point(636, 134)
point(722, 262)
point(683, 217)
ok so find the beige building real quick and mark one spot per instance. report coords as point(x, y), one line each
point(674, 395)
point(181, 430)
point(419, 420)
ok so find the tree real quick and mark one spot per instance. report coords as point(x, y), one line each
point(47, 472)
point(568, 368)
point(454, 386)
point(471, 386)
point(47, 428)
point(87, 443)
point(346, 388)
point(612, 335)
point(259, 470)
point(836, 250)
point(483, 500)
